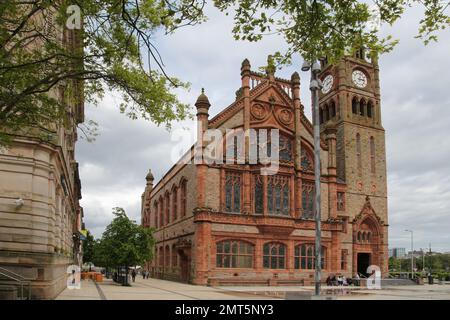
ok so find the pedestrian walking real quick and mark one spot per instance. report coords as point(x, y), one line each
point(133, 275)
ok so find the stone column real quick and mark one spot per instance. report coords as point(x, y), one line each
point(295, 80)
point(245, 77)
point(330, 131)
point(202, 106)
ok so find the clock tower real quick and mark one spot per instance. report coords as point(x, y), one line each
point(350, 106)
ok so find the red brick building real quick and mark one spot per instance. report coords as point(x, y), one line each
point(229, 224)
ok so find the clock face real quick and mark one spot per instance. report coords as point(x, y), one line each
point(359, 79)
point(327, 84)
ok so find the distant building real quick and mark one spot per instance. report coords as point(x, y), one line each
point(397, 252)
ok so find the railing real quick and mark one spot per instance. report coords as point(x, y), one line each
point(19, 280)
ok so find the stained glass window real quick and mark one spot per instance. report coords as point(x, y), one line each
point(306, 161)
point(285, 148)
point(278, 195)
point(308, 194)
point(234, 254)
point(232, 192)
point(274, 256)
point(258, 194)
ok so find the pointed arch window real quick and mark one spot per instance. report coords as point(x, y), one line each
point(332, 109)
point(370, 109)
point(183, 198)
point(306, 160)
point(155, 212)
point(175, 203)
point(372, 154)
point(308, 193)
point(362, 107)
point(233, 192)
point(167, 256)
point(285, 146)
point(274, 256)
point(161, 212)
point(167, 207)
point(258, 195)
point(161, 256)
point(321, 115)
point(278, 195)
point(355, 105)
point(326, 113)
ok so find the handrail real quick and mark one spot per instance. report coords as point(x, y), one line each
point(18, 278)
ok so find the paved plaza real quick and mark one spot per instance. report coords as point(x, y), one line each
point(155, 289)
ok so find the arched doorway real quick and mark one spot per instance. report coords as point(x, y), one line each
point(367, 240)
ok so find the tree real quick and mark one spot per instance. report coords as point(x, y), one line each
point(329, 28)
point(124, 243)
point(88, 248)
point(55, 53)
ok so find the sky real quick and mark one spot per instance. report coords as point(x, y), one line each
point(415, 85)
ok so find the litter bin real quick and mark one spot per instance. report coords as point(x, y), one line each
point(430, 279)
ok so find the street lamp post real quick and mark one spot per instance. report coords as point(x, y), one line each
point(412, 253)
point(315, 86)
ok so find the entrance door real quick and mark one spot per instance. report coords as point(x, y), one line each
point(363, 263)
point(184, 267)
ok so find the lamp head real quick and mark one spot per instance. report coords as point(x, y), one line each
point(306, 66)
point(316, 67)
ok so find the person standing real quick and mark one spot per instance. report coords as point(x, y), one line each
point(133, 275)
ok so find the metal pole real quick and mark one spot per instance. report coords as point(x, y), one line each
point(317, 173)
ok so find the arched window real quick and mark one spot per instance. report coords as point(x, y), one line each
point(278, 195)
point(167, 206)
point(372, 154)
point(358, 152)
point(369, 109)
point(359, 236)
point(332, 109)
point(234, 254)
point(174, 256)
point(326, 113)
point(175, 203)
point(183, 198)
point(274, 256)
point(308, 194)
point(355, 105)
point(232, 192)
point(307, 161)
point(258, 195)
point(285, 146)
point(167, 256)
point(155, 212)
point(161, 212)
point(363, 239)
point(362, 107)
point(161, 256)
point(304, 257)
